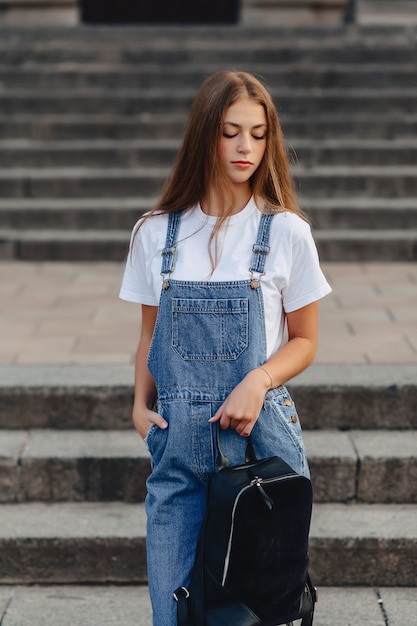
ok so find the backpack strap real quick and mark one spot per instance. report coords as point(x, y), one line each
point(181, 596)
point(190, 602)
point(308, 619)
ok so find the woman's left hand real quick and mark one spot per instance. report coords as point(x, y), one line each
point(242, 407)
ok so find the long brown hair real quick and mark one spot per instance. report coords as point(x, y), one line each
point(198, 169)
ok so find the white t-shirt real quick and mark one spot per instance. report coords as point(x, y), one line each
point(292, 279)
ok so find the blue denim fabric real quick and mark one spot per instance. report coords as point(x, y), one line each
point(208, 336)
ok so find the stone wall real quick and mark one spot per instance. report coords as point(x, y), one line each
point(253, 12)
point(39, 12)
point(387, 12)
point(293, 12)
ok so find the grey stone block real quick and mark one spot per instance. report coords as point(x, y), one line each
point(349, 544)
point(333, 465)
point(7, 249)
point(84, 466)
point(285, 76)
point(365, 245)
point(11, 446)
point(72, 543)
point(357, 397)
point(348, 606)
point(153, 153)
point(94, 397)
point(107, 245)
point(400, 604)
point(364, 545)
point(62, 407)
point(75, 248)
point(388, 466)
point(83, 605)
point(94, 605)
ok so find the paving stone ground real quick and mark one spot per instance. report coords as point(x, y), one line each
point(129, 606)
point(70, 313)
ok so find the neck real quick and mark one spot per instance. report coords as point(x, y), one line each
point(216, 206)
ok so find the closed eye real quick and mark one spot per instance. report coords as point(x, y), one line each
point(227, 136)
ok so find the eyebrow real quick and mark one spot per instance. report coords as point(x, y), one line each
point(225, 123)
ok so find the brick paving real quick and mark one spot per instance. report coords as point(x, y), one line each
point(69, 313)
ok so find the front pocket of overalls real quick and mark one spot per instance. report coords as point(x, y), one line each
point(209, 329)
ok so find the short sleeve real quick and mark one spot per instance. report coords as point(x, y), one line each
point(306, 282)
point(137, 279)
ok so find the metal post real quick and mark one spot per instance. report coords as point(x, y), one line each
point(350, 12)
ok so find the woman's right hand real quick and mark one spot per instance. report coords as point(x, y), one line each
point(143, 419)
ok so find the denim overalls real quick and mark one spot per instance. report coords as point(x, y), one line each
point(208, 336)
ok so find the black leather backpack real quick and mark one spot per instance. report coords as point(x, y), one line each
point(251, 565)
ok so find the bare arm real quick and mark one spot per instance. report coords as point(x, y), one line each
point(145, 393)
point(242, 407)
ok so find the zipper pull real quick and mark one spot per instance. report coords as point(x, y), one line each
point(256, 482)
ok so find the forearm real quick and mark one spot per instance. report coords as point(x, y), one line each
point(294, 356)
point(143, 413)
point(145, 391)
point(291, 359)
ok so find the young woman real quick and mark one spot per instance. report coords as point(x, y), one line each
point(220, 266)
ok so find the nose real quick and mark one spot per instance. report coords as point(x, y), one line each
point(244, 145)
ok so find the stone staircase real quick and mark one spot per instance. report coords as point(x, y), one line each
point(72, 482)
point(90, 120)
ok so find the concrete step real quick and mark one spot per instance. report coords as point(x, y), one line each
point(350, 543)
point(381, 397)
point(73, 214)
point(150, 34)
point(81, 182)
point(112, 245)
point(85, 605)
point(321, 181)
point(368, 466)
point(60, 466)
point(362, 245)
point(99, 126)
point(242, 49)
point(73, 543)
point(357, 544)
point(70, 245)
point(161, 152)
point(295, 102)
point(170, 126)
point(122, 213)
point(151, 75)
point(93, 605)
point(358, 213)
point(98, 153)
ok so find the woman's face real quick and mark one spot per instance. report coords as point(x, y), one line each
point(243, 140)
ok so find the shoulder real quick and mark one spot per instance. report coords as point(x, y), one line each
point(290, 227)
point(150, 224)
point(149, 232)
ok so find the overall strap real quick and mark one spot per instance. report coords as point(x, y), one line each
point(260, 249)
point(168, 252)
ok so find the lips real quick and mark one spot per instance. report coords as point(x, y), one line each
point(242, 164)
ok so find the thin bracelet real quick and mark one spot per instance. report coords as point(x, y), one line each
point(266, 372)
